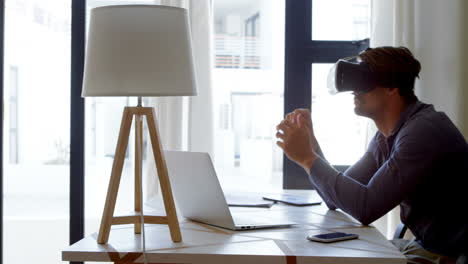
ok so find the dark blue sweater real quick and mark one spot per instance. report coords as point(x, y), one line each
point(422, 166)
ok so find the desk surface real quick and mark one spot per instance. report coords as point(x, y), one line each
point(207, 244)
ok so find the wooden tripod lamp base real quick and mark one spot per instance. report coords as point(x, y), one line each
point(108, 218)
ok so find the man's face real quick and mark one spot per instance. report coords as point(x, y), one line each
point(371, 103)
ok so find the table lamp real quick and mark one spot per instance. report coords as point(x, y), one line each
point(138, 50)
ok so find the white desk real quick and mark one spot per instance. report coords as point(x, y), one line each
point(206, 244)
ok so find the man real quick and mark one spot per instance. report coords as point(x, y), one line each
point(418, 159)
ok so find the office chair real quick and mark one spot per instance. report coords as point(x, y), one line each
point(400, 231)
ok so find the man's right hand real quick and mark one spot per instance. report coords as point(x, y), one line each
point(296, 141)
point(305, 113)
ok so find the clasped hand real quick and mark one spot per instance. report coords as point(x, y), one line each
point(296, 137)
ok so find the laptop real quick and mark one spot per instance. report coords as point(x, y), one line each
point(199, 196)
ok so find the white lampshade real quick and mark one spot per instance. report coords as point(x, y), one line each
point(139, 50)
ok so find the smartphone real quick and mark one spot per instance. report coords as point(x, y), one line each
point(332, 237)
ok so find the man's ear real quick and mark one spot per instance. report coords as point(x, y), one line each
point(392, 91)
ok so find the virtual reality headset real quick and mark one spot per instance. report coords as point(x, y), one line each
point(350, 75)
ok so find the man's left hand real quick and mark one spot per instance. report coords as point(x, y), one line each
point(295, 139)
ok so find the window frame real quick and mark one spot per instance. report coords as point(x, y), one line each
point(77, 122)
point(300, 53)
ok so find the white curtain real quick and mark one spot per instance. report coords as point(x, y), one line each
point(186, 123)
point(436, 32)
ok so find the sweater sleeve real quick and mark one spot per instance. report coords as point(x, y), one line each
point(371, 194)
point(366, 167)
point(327, 201)
point(361, 171)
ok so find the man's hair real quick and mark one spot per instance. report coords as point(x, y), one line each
point(394, 67)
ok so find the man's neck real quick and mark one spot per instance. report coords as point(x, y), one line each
point(387, 121)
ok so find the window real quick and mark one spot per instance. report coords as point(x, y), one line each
point(248, 92)
point(337, 29)
point(248, 84)
point(36, 131)
point(343, 20)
